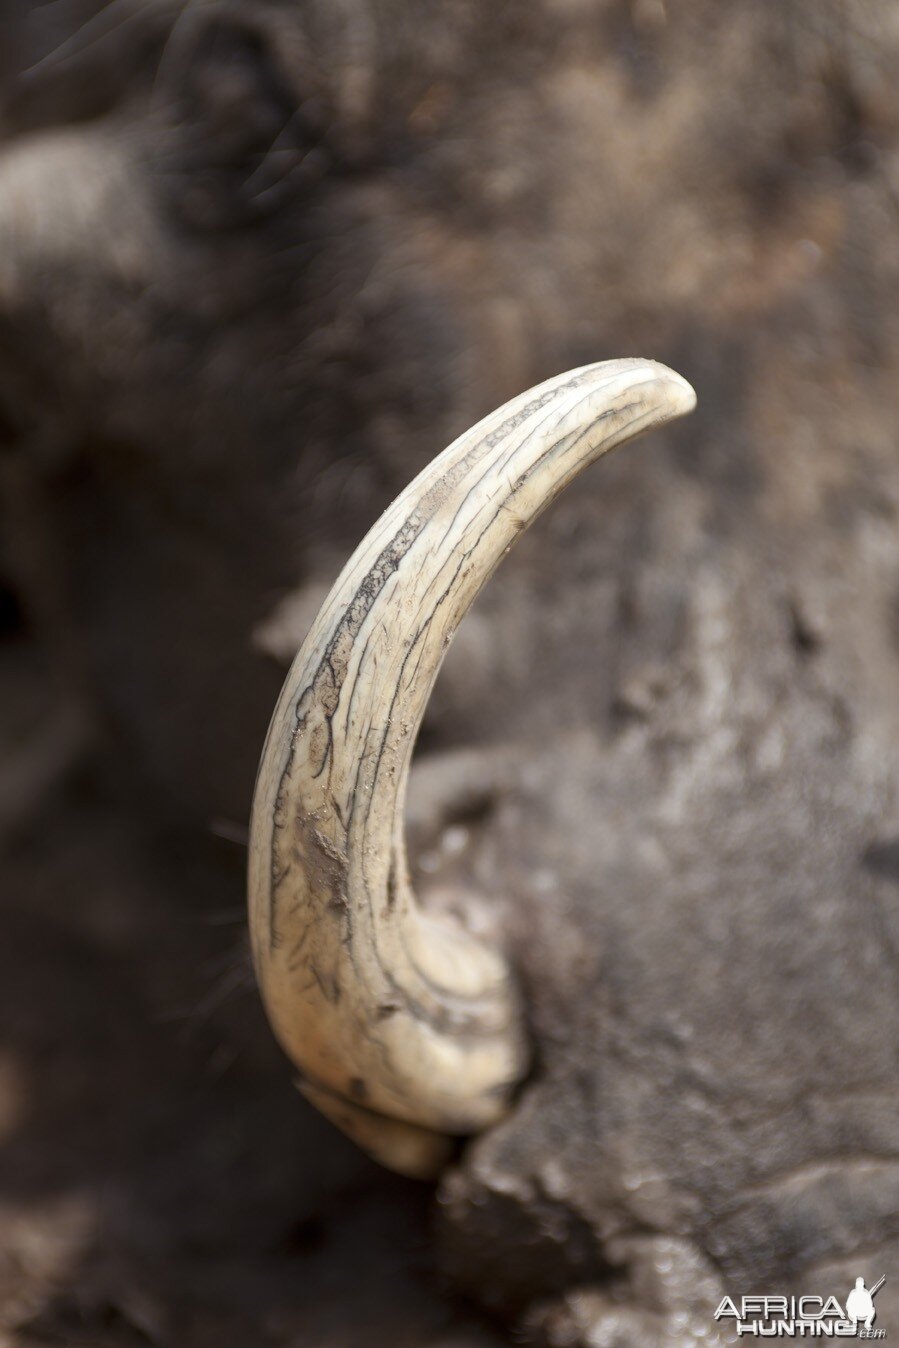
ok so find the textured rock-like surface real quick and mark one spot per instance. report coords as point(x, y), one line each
point(702, 896)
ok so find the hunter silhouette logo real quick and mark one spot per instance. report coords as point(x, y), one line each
point(770, 1317)
point(860, 1303)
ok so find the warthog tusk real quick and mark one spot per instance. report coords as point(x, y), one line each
point(406, 1028)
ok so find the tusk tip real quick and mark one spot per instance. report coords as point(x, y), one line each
point(681, 395)
point(663, 394)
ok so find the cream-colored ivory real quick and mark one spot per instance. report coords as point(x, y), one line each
point(378, 1003)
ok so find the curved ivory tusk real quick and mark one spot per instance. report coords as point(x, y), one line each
point(386, 1009)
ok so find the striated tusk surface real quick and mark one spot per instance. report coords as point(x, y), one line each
point(385, 1009)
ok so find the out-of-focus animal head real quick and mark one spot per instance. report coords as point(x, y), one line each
point(307, 246)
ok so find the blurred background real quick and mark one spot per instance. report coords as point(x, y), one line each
point(258, 263)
